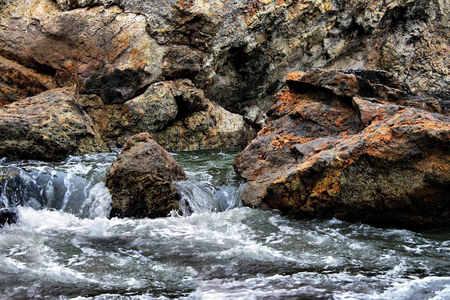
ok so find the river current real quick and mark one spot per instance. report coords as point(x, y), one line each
point(64, 247)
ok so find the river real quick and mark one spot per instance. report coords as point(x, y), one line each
point(64, 247)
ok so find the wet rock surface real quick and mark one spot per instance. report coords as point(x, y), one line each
point(7, 217)
point(140, 180)
point(346, 145)
point(17, 188)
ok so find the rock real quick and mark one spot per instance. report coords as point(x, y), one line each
point(329, 150)
point(176, 113)
point(18, 82)
point(189, 98)
point(154, 109)
point(254, 116)
point(17, 188)
point(182, 62)
point(237, 52)
point(140, 180)
point(207, 129)
point(49, 126)
point(100, 49)
point(7, 216)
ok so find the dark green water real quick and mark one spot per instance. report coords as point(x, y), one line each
point(223, 251)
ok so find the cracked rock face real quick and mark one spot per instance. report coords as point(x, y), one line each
point(236, 54)
point(351, 145)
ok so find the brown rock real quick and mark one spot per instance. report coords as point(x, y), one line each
point(176, 113)
point(49, 126)
point(327, 152)
point(210, 128)
point(140, 180)
point(154, 109)
point(100, 49)
point(236, 52)
point(18, 82)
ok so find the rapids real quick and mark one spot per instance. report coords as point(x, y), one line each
point(64, 247)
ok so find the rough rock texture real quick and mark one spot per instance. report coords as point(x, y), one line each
point(104, 51)
point(177, 114)
point(48, 126)
point(237, 52)
point(351, 145)
point(18, 82)
point(120, 54)
point(207, 129)
point(140, 180)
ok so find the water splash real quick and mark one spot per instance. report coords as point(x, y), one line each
point(239, 253)
point(213, 186)
point(73, 185)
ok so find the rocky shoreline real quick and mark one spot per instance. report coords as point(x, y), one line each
point(342, 107)
point(351, 145)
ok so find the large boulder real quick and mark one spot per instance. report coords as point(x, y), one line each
point(140, 180)
point(49, 126)
point(103, 50)
point(351, 145)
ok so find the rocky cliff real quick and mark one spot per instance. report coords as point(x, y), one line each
point(233, 54)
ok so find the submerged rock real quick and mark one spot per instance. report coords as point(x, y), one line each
point(7, 217)
point(49, 126)
point(17, 188)
point(349, 145)
point(140, 180)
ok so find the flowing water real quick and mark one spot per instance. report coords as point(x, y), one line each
point(64, 247)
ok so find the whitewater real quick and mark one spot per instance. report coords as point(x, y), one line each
point(63, 246)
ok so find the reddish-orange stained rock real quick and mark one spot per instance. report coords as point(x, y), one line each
point(328, 151)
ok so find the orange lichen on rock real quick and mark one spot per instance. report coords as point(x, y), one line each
point(287, 140)
point(328, 151)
